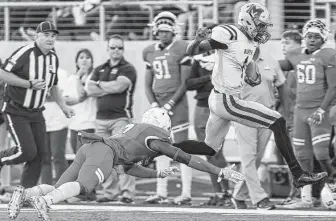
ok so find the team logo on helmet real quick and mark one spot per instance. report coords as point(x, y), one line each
point(255, 11)
point(255, 19)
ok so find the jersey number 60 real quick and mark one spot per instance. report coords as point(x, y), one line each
point(161, 69)
point(306, 73)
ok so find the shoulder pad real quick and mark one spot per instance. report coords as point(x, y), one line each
point(224, 34)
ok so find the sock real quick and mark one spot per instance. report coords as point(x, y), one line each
point(285, 147)
point(63, 192)
point(39, 190)
point(306, 193)
point(186, 176)
point(162, 163)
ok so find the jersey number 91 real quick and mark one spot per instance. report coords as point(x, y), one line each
point(161, 69)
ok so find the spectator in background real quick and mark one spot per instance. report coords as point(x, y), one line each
point(200, 80)
point(291, 40)
point(113, 84)
point(167, 69)
point(252, 141)
point(4, 181)
point(76, 96)
point(56, 126)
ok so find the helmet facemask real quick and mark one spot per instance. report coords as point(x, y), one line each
point(255, 19)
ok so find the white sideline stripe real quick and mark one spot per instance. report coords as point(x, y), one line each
point(66, 208)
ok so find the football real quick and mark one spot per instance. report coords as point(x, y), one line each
point(251, 70)
point(328, 197)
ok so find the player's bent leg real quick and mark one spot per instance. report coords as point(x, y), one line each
point(72, 172)
point(216, 131)
point(320, 141)
point(257, 115)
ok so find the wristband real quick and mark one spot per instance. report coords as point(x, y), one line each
point(171, 103)
point(98, 82)
point(30, 84)
point(321, 110)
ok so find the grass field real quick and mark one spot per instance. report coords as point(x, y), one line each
point(164, 213)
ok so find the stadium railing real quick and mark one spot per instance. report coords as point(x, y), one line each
point(21, 18)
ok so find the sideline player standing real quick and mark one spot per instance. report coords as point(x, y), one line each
point(235, 46)
point(29, 73)
point(125, 152)
point(316, 90)
point(167, 69)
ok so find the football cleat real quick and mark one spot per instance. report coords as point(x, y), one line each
point(16, 202)
point(156, 199)
point(309, 178)
point(182, 200)
point(41, 207)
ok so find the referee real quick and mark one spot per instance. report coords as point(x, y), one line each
point(30, 73)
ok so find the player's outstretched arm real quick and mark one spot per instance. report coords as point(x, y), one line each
point(144, 172)
point(194, 161)
point(195, 147)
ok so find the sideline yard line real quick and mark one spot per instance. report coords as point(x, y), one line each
point(189, 210)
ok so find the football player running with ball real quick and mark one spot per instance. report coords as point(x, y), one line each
point(234, 47)
point(127, 152)
point(315, 68)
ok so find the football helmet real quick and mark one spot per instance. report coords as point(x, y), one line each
point(328, 196)
point(158, 117)
point(164, 21)
point(255, 20)
point(315, 26)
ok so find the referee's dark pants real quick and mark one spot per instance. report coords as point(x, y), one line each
point(28, 131)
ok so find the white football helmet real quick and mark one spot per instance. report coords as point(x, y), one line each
point(328, 196)
point(315, 26)
point(255, 19)
point(158, 117)
point(164, 21)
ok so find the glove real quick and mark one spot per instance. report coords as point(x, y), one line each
point(251, 82)
point(317, 117)
point(230, 174)
point(167, 172)
point(167, 107)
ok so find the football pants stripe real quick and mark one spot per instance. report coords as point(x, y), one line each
point(252, 110)
point(241, 114)
point(15, 139)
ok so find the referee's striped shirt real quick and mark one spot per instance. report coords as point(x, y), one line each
point(30, 63)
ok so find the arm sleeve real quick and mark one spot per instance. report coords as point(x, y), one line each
point(170, 151)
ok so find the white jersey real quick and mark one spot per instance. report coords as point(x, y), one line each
point(230, 63)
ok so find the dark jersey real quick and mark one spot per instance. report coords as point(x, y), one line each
point(134, 142)
point(166, 65)
point(311, 75)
